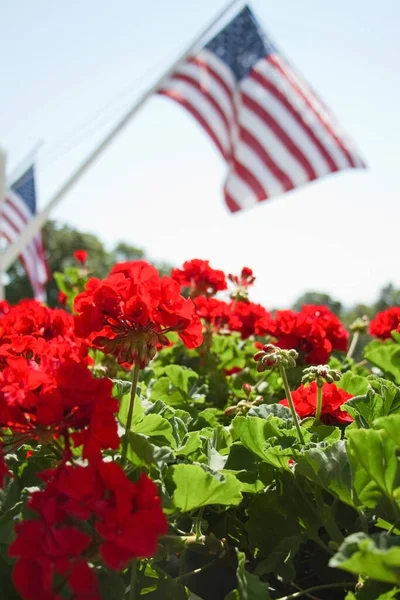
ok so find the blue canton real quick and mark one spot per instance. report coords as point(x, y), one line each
point(241, 44)
point(25, 188)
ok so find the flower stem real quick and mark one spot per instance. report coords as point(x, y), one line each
point(319, 404)
point(132, 589)
point(135, 377)
point(316, 588)
point(286, 387)
point(353, 344)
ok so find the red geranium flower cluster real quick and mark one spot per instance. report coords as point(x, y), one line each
point(314, 332)
point(131, 311)
point(80, 256)
point(126, 520)
point(305, 402)
point(200, 278)
point(249, 319)
point(385, 322)
point(215, 312)
point(244, 280)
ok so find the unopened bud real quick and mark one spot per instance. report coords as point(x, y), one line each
point(360, 325)
point(320, 374)
point(247, 388)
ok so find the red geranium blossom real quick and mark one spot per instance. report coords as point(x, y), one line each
point(131, 310)
point(215, 312)
point(314, 332)
point(81, 256)
point(249, 319)
point(245, 279)
point(200, 278)
point(305, 402)
point(127, 519)
point(62, 298)
point(385, 322)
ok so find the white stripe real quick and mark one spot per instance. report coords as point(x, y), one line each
point(211, 85)
point(307, 114)
point(204, 107)
point(19, 203)
point(250, 159)
point(273, 145)
point(218, 66)
point(326, 115)
point(288, 123)
point(8, 211)
point(241, 193)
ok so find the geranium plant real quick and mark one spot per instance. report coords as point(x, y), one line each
point(167, 438)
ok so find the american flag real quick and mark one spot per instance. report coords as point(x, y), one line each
point(17, 210)
point(271, 128)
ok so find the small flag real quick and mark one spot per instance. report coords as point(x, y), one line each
point(17, 210)
point(273, 131)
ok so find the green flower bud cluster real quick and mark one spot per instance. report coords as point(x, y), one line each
point(271, 356)
point(360, 325)
point(320, 374)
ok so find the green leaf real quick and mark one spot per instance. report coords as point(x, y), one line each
point(391, 425)
point(329, 468)
point(250, 587)
point(374, 465)
point(143, 452)
point(178, 387)
point(190, 443)
point(195, 488)
point(155, 426)
point(382, 399)
point(138, 410)
point(112, 584)
point(376, 556)
point(386, 356)
point(353, 384)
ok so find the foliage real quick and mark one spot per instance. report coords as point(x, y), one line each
point(263, 499)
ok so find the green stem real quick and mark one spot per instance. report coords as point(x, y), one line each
point(290, 400)
point(135, 377)
point(197, 525)
point(132, 588)
point(353, 344)
point(319, 404)
point(317, 588)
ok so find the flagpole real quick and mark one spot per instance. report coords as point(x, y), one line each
point(3, 159)
point(40, 219)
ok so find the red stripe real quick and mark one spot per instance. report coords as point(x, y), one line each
point(264, 81)
point(231, 204)
point(280, 133)
point(251, 141)
point(206, 93)
point(248, 177)
point(291, 79)
point(204, 66)
point(181, 100)
point(35, 283)
point(36, 239)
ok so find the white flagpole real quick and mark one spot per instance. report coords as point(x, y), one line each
point(40, 219)
point(2, 199)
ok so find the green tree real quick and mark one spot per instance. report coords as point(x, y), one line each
point(318, 298)
point(60, 242)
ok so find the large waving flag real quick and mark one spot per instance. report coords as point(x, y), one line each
point(273, 131)
point(17, 210)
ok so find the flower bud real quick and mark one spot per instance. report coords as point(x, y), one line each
point(360, 325)
point(247, 388)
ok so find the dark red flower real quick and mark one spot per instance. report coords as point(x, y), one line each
point(81, 256)
point(126, 517)
point(245, 279)
point(305, 402)
point(131, 311)
point(200, 278)
point(314, 332)
point(385, 322)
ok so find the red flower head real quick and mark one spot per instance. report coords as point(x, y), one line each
point(131, 311)
point(245, 279)
point(81, 256)
point(305, 402)
point(200, 278)
point(249, 319)
point(127, 519)
point(314, 332)
point(385, 322)
point(214, 312)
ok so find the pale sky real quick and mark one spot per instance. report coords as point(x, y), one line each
point(70, 69)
